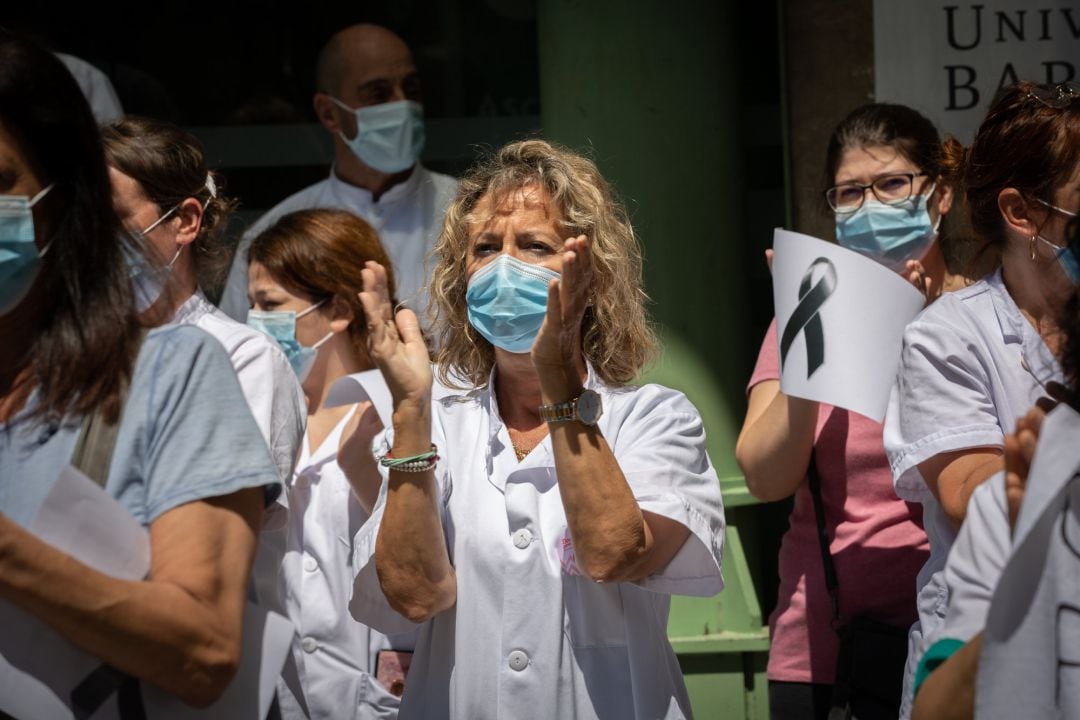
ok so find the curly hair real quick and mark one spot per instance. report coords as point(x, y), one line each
point(617, 337)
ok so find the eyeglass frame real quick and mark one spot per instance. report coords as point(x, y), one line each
point(911, 191)
point(1063, 94)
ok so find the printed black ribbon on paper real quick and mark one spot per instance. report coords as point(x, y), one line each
point(806, 319)
point(102, 684)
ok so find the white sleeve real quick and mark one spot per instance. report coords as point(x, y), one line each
point(275, 398)
point(976, 562)
point(941, 402)
point(661, 450)
point(234, 298)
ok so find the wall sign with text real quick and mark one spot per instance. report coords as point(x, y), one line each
point(947, 59)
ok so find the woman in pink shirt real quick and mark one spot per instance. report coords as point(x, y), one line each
point(888, 195)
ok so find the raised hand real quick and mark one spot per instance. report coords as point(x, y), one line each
point(1019, 453)
point(395, 343)
point(558, 344)
point(915, 274)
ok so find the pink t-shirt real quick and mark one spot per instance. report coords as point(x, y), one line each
point(878, 544)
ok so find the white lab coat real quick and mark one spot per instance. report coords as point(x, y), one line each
point(408, 218)
point(1030, 661)
point(335, 655)
point(971, 366)
point(529, 636)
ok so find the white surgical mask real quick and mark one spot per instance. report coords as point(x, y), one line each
point(389, 137)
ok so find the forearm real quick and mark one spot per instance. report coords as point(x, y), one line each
point(611, 537)
point(774, 448)
point(949, 691)
point(155, 631)
point(953, 477)
point(410, 551)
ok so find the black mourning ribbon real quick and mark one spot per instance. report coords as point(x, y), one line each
point(97, 687)
point(806, 319)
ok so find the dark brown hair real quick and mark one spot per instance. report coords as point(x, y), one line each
point(1021, 144)
point(1070, 323)
point(319, 254)
point(84, 346)
point(169, 165)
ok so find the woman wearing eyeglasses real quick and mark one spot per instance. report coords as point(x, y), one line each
point(974, 363)
point(889, 193)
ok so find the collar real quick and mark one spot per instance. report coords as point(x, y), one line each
point(496, 446)
point(361, 198)
point(1035, 356)
point(194, 308)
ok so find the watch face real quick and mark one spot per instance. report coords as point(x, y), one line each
point(589, 408)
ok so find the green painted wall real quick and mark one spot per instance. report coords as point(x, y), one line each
point(651, 95)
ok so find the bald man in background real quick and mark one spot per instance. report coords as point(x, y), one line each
point(368, 98)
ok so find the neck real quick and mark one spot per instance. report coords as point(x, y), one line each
point(517, 389)
point(181, 286)
point(352, 170)
point(934, 265)
point(337, 358)
point(1040, 293)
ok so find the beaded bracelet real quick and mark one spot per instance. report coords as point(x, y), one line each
point(413, 463)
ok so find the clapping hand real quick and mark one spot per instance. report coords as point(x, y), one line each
point(558, 344)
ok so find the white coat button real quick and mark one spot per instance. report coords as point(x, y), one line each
point(519, 660)
point(309, 644)
point(311, 564)
point(522, 539)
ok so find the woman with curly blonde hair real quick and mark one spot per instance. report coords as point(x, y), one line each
point(534, 525)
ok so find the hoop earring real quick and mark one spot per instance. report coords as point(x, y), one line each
point(1033, 247)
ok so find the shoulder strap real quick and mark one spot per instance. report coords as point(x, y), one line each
point(831, 584)
point(97, 439)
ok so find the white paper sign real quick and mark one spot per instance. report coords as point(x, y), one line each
point(39, 668)
point(840, 320)
point(947, 59)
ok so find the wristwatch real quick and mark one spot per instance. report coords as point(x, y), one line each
point(586, 408)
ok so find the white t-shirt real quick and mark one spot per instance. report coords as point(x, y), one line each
point(529, 636)
point(408, 218)
point(971, 366)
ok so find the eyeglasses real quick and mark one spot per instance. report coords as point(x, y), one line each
point(890, 189)
point(1056, 96)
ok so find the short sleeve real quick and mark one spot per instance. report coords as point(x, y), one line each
point(197, 435)
point(660, 447)
point(941, 402)
point(234, 297)
point(976, 561)
point(275, 398)
point(768, 362)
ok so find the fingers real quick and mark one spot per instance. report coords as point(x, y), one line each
point(554, 303)
point(769, 258)
point(409, 327)
point(576, 279)
point(375, 299)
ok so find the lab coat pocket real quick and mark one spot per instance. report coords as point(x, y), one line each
point(593, 613)
point(1068, 655)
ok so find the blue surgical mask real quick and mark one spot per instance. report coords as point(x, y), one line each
point(281, 326)
point(389, 137)
point(889, 234)
point(1064, 255)
point(20, 259)
point(507, 301)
